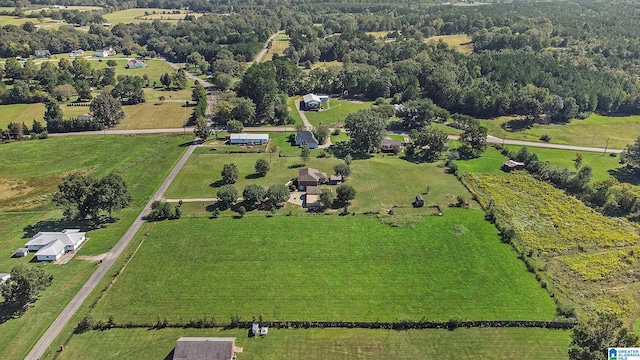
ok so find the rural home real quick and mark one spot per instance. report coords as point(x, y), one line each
point(389, 144)
point(135, 64)
point(335, 179)
point(50, 246)
point(42, 53)
point(84, 117)
point(310, 177)
point(249, 138)
point(105, 52)
point(512, 165)
point(76, 53)
point(307, 138)
point(311, 102)
point(205, 348)
point(21, 252)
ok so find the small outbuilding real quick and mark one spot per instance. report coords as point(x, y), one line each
point(4, 277)
point(135, 64)
point(307, 138)
point(205, 348)
point(264, 331)
point(249, 138)
point(255, 328)
point(419, 202)
point(76, 53)
point(335, 179)
point(389, 144)
point(512, 165)
point(21, 252)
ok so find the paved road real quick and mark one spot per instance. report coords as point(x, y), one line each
point(264, 50)
point(495, 140)
point(49, 336)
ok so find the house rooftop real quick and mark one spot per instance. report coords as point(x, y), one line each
point(390, 142)
point(67, 236)
point(204, 348)
point(250, 136)
point(53, 249)
point(310, 172)
point(311, 97)
point(313, 190)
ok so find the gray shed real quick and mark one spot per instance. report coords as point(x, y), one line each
point(204, 348)
point(419, 202)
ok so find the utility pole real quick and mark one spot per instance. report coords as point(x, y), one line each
point(606, 146)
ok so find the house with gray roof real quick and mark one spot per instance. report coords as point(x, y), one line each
point(308, 177)
point(42, 53)
point(307, 138)
point(390, 144)
point(312, 102)
point(205, 348)
point(50, 246)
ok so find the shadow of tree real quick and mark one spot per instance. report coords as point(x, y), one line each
point(216, 184)
point(253, 176)
point(11, 311)
point(626, 174)
point(516, 125)
point(295, 166)
point(61, 224)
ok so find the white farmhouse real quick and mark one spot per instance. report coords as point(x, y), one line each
point(50, 246)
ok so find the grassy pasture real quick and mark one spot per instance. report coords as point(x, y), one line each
point(370, 271)
point(592, 131)
point(330, 344)
point(149, 115)
point(459, 42)
point(142, 160)
point(326, 64)
point(153, 68)
point(337, 112)
point(279, 44)
point(291, 104)
point(14, 20)
point(137, 15)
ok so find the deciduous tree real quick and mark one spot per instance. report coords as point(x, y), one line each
point(107, 110)
point(229, 173)
point(227, 195)
point(234, 126)
point(366, 128)
point(25, 284)
point(262, 167)
point(277, 194)
point(254, 194)
point(345, 193)
point(591, 340)
point(202, 130)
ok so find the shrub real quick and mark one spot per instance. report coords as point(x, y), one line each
point(545, 138)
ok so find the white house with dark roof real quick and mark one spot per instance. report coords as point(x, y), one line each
point(105, 52)
point(50, 246)
point(307, 138)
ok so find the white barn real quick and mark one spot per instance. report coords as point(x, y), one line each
point(50, 246)
point(249, 138)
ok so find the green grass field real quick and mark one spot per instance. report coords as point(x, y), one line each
point(336, 113)
point(279, 44)
point(291, 103)
point(14, 20)
point(592, 131)
point(150, 115)
point(491, 161)
point(142, 160)
point(459, 42)
point(153, 68)
point(377, 182)
point(137, 15)
point(343, 268)
point(330, 344)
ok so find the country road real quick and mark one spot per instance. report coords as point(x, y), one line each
point(264, 50)
point(490, 139)
point(49, 336)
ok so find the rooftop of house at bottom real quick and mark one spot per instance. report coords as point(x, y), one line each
point(205, 348)
point(50, 246)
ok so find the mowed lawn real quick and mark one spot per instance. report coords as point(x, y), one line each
point(592, 131)
point(332, 344)
point(197, 177)
point(325, 268)
point(491, 161)
point(336, 113)
point(143, 161)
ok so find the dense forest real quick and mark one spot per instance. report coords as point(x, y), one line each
point(547, 61)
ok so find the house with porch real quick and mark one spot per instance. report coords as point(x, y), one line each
point(310, 177)
point(307, 138)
